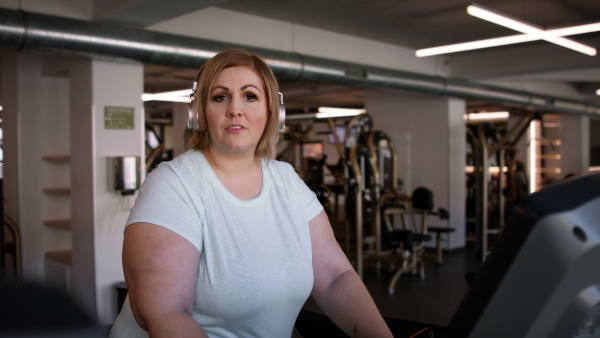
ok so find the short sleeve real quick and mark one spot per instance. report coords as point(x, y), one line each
point(163, 200)
point(312, 206)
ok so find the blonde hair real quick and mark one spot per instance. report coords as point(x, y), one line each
point(267, 145)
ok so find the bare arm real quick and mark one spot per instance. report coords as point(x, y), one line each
point(161, 270)
point(338, 290)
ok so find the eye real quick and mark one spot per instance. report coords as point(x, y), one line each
point(219, 98)
point(250, 97)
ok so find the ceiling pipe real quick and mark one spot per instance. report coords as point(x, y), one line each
point(21, 30)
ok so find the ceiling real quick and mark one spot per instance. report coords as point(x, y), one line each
point(413, 24)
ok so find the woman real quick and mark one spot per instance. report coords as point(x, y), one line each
point(224, 241)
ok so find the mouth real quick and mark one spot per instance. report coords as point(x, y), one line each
point(235, 127)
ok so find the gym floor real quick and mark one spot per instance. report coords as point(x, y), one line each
point(432, 300)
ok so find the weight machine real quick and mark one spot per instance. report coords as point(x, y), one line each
point(389, 225)
point(488, 142)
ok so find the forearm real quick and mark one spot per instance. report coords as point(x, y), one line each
point(176, 324)
point(349, 305)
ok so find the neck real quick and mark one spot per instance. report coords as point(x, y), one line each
point(231, 164)
point(240, 174)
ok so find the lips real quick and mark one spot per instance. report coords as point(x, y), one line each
point(235, 127)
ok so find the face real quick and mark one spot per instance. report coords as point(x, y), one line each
point(236, 111)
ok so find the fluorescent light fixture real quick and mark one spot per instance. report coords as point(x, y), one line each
point(174, 96)
point(574, 30)
point(526, 28)
point(507, 40)
point(492, 169)
point(499, 115)
point(532, 156)
point(327, 112)
point(598, 92)
point(461, 47)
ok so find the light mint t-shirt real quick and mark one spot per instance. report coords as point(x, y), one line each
point(255, 268)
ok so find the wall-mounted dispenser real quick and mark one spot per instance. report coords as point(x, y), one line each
point(124, 174)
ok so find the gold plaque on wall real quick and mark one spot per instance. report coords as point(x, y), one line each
point(119, 118)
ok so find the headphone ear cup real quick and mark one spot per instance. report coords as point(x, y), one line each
point(193, 121)
point(281, 112)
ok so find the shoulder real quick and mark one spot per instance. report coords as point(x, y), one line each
point(191, 158)
point(280, 170)
point(190, 161)
point(278, 165)
point(283, 174)
point(181, 169)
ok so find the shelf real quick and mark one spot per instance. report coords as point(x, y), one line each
point(549, 142)
point(64, 224)
point(549, 156)
point(57, 191)
point(63, 158)
point(61, 256)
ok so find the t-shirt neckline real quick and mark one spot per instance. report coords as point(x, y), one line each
point(226, 191)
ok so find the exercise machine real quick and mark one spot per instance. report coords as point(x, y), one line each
point(487, 142)
point(541, 278)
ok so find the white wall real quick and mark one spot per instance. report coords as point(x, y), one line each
point(429, 135)
point(30, 125)
point(40, 108)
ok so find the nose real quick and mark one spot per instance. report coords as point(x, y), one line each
point(235, 108)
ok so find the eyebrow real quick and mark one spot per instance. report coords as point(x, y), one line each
point(243, 87)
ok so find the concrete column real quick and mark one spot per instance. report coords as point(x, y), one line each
point(429, 135)
point(575, 144)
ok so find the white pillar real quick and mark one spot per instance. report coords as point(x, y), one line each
point(429, 135)
point(575, 144)
point(99, 214)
